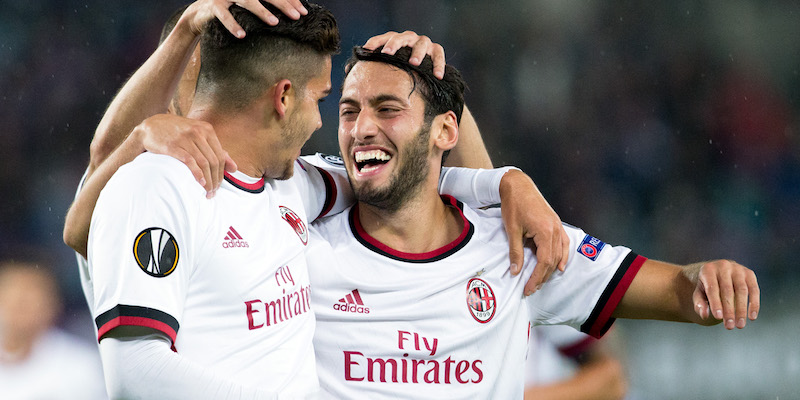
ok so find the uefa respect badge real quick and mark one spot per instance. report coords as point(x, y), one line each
point(590, 247)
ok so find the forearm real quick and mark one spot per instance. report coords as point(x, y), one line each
point(79, 216)
point(146, 367)
point(147, 92)
point(470, 152)
point(662, 291)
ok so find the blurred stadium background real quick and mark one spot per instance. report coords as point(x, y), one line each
point(671, 127)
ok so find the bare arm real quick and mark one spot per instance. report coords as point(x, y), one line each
point(470, 152)
point(703, 293)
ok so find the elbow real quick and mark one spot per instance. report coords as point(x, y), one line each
point(99, 150)
point(74, 239)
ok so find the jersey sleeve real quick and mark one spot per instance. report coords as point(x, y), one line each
point(568, 341)
point(323, 184)
point(585, 295)
point(140, 245)
point(474, 187)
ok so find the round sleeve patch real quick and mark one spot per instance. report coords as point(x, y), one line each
point(156, 252)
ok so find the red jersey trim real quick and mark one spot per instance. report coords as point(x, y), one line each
point(600, 319)
point(124, 315)
point(255, 187)
point(330, 192)
point(431, 256)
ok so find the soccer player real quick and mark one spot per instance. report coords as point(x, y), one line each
point(173, 270)
point(411, 290)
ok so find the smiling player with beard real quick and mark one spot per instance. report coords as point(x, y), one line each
point(411, 289)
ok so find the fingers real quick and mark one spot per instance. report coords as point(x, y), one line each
point(562, 266)
point(421, 46)
point(732, 293)
point(515, 248)
point(378, 41)
point(220, 10)
point(699, 300)
point(755, 295)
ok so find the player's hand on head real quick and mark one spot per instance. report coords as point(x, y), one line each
point(192, 142)
point(200, 12)
point(421, 45)
point(728, 291)
point(528, 217)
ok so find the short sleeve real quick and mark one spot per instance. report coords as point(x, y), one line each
point(141, 245)
point(585, 295)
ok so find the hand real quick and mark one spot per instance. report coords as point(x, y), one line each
point(727, 290)
point(420, 45)
point(200, 12)
point(192, 142)
point(527, 215)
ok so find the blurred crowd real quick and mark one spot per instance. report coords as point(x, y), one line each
point(661, 125)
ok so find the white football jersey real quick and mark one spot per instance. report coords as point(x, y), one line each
point(451, 323)
point(225, 278)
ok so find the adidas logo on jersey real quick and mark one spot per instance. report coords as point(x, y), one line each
point(351, 303)
point(233, 239)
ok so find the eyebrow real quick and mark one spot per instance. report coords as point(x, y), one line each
point(373, 101)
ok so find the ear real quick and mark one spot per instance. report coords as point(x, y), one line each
point(283, 97)
point(446, 134)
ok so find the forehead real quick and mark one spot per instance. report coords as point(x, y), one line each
point(322, 80)
point(368, 79)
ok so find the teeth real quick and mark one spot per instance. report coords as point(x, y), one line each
point(379, 155)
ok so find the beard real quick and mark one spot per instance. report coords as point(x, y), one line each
point(407, 179)
point(294, 136)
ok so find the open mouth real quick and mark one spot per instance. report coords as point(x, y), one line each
point(370, 160)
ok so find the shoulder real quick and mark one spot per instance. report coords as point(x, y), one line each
point(150, 170)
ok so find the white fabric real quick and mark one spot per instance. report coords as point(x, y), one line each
point(392, 328)
point(146, 368)
point(474, 187)
point(60, 367)
point(238, 297)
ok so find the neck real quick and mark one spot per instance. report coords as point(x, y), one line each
point(243, 139)
point(422, 224)
point(15, 348)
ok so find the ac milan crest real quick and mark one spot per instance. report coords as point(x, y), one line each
point(295, 222)
point(480, 300)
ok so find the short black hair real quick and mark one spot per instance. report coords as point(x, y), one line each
point(234, 72)
point(440, 95)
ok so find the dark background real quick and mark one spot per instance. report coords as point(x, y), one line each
point(670, 127)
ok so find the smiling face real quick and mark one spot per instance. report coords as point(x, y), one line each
point(384, 136)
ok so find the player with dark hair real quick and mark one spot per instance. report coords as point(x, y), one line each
point(411, 290)
point(172, 318)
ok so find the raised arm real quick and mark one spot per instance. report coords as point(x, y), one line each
point(704, 293)
point(152, 86)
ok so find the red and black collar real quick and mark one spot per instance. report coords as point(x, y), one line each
point(431, 256)
point(255, 187)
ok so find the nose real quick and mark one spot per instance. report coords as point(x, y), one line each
point(365, 126)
